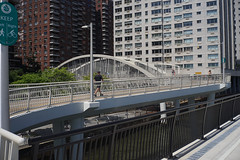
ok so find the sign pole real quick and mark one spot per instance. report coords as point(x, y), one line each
point(4, 82)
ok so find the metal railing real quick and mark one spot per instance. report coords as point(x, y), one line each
point(9, 145)
point(31, 98)
point(145, 137)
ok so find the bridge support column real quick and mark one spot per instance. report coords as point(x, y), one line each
point(211, 98)
point(163, 108)
point(58, 127)
point(177, 104)
point(191, 101)
point(77, 151)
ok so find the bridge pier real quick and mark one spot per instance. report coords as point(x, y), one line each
point(58, 127)
point(211, 98)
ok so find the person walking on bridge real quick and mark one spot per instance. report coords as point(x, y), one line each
point(98, 79)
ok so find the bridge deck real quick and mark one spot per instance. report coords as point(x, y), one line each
point(221, 145)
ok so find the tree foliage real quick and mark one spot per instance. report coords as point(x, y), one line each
point(48, 75)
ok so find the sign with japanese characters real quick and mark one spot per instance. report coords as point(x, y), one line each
point(8, 24)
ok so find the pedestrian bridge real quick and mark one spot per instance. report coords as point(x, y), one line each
point(38, 105)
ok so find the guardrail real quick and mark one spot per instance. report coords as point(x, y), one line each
point(9, 145)
point(145, 137)
point(31, 98)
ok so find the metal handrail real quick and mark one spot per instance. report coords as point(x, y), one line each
point(10, 144)
point(162, 135)
point(31, 98)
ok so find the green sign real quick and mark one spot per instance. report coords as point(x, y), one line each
point(8, 24)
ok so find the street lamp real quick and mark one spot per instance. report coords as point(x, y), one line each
point(91, 60)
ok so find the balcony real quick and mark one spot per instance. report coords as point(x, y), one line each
point(54, 30)
point(54, 24)
point(54, 1)
point(54, 6)
point(53, 17)
point(52, 41)
point(54, 36)
point(54, 12)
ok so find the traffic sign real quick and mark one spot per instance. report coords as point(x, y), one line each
point(8, 24)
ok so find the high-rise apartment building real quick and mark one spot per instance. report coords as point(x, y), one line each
point(50, 30)
point(194, 35)
point(104, 26)
point(237, 30)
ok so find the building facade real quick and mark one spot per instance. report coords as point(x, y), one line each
point(194, 35)
point(50, 30)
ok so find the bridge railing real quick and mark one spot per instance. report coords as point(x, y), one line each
point(31, 98)
point(9, 145)
point(145, 137)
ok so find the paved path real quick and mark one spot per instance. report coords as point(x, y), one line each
point(225, 145)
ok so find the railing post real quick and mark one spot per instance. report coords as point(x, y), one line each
point(181, 81)
point(112, 143)
point(129, 89)
point(200, 80)
point(172, 135)
point(50, 98)
point(204, 121)
point(71, 90)
point(28, 101)
point(219, 116)
point(112, 89)
point(191, 81)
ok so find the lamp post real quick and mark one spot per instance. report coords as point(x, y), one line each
point(91, 60)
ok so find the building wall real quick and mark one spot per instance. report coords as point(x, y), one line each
point(191, 34)
point(50, 31)
point(237, 31)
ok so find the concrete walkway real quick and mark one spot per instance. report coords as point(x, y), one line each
point(223, 145)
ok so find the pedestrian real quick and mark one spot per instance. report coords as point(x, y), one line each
point(173, 72)
point(98, 79)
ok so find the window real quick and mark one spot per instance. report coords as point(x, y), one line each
point(118, 53)
point(178, 25)
point(138, 14)
point(167, 43)
point(156, 11)
point(199, 56)
point(128, 30)
point(212, 56)
point(199, 21)
point(157, 19)
point(177, 50)
point(212, 47)
point(167, 19)
point(198, 4)
point(118, 10)
point(212, 12)
point(212, 38)
point(212, 29)
point(119, 39)
point(118, 24)
point(128, 23)
point(168, 34)
point(199, 12)
point(188, 49)
point(118, 2)
point(199, 39)
point(138, 37)
point(118, 17)
point(167, 10)
point(128, 38)
point(156, 51)
point(137, 7)
point(139, 29)
point(187, 15)
point(128, 46)
point(118, 32)
point(127, 1)
point(199, 30)
point(157, 43)
point(157, 27)
point(212, 64)
point(178, 42)
point(188, 32)
point(179, 33)
point(138, 52)
point(158, 3)
point(138, 22)
point(211, 3)
point(128, 53)
point(189, 23)
point(189, 6)
point(128, 16)
point(177, 17)
point(156, 59)
point(212, 21)
point(199, 64)
point(188, 66)
point(177, 9)
point(167, 26)
point(177, 1)
point(188, 40)
point(156, 35)
point(178, 58)
point(188, 58)
point(137, 45)
point(118, 46)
